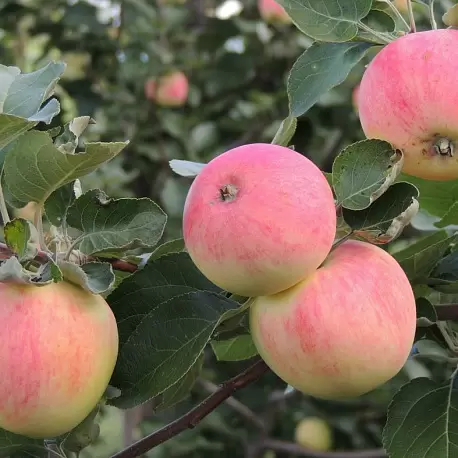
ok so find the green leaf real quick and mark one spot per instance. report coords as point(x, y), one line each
point(180, 390)
point(20, 446)
point(115, 224)
point(12, 127)
point(450, 18)
point(333, 20)
point(67, 141)
point(447, 268)
point(166, 314)
point(450, 217)
point(237, 348)
point(95, 277)
point(166, 343)
point(285, 132)
point(423, 420)
point(420, 258)
point(22, 237)
point(186, 168)
point(318, 69)
point(436, 197)
point(363, 171)
point(58, 203)
point(385, 219)
point(29, 176)
point(12, 271)
point(426, 313)
point(83, 435)
point(27, 92)
point(172, 246)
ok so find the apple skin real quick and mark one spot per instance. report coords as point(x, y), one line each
point(313, 433)
point(273, 12)
point(344, 330)
point(170, 90)
point(258, 219)
point(59, 348)
point(409, 97)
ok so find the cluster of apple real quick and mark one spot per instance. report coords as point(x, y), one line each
point(332, 321)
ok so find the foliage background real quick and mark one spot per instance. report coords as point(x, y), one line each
point(237, 66)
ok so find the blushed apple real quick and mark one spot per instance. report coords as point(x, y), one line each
point(344, 330)
point(58, 352)
point(314, 433)
point(258, 219)
point(170, 90)
point(409, 97)
point(273, 12)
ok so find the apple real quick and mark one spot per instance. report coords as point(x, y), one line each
point(344, 330)
point(409, 97)
point(401, 5)
point(273, 12)
point(258, 219)
point(313, 433)
point(59, 348)
point(170, 90)
point(355, 95)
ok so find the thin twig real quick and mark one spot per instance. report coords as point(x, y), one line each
point(289, 447)
point(194, 416)
point(447, 312)
point(236, 405)
point(117, 264)
point(413, 27)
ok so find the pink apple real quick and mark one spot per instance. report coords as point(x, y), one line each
point(258, 219)
point(409, 98)
point(59, 348)
point(344, 330)
point(170, 90)
point(273, 12)
point(401, 5)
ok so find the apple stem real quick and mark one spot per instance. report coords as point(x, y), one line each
point(431, 16)
point(413, 27)
point(38, 222)
point(3, 209)
point(341, 240)
point(397, 13)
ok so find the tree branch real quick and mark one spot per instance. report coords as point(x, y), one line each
point(236, 405)
point(447, 312)
point(198, 413)
point(117, 264)
point(289, 447)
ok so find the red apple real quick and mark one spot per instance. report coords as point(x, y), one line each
point(409, 97)
point(58, 352)
point(170, 90)
point(258, 219)
point(273, 12)
point(344, 330)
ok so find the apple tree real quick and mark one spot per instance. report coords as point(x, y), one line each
point(119, 248)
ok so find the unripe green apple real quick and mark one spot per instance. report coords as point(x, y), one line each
point(170, 90)
point(344, 330)
point(59, 348)
point(314, 433)
point(258, 219)
point(273, 12)
point(409, 97)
